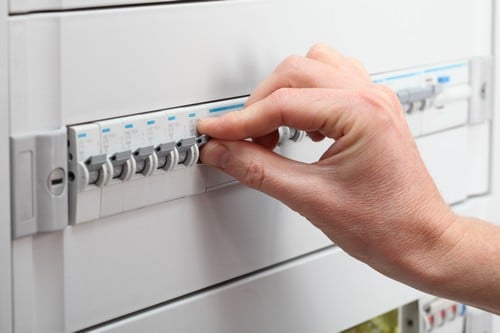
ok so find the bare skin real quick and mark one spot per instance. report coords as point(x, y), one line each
point(370, 192)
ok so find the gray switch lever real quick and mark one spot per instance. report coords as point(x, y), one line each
point(417, 94)
point(95, 167)
point(168, 156)
point(202, 140)
point(188, 151)
point(146, 160)
point(123, 165)
point(94, 163)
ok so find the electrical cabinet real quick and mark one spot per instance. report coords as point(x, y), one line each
point(139, 235)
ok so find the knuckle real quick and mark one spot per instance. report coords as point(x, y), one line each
point(379, 105)
point(358, 64)
point(279, 105)
point(292, 64)
point(318, 51)
point(280, 97)
point(376, 98)
point(253, 175)
point(391, 97)
point(370, 97)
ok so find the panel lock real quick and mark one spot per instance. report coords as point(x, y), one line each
point(123, 165)
point(39, 180)
point(146, 160)
point(168, 156)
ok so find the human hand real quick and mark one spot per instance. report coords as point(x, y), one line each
point(370, 192)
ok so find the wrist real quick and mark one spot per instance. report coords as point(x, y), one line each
point(430, 262)
point(437, 265)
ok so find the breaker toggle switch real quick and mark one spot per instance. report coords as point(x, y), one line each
point(297, 135)
point(284, 135)
point(168, 156)
point(202, 140)
point(417, 99)
point(96, 171)
point(289, 134)
point(146, 160)
point(189, 152)
point(124, 165)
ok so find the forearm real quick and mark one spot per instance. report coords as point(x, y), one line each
point(464, 264)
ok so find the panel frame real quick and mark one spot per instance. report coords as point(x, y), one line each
point(32, 6)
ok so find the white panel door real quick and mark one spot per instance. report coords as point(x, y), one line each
point(325, 292)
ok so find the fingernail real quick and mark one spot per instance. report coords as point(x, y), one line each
point(216, 155)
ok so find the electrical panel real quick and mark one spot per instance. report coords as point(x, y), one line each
point(122, 164)
point(123, 230)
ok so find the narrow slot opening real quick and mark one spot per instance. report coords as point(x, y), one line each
point(56, 181)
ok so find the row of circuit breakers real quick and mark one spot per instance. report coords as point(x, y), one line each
point(108, 167)
point(126, 163)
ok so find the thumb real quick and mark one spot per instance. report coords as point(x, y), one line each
point(260, 169)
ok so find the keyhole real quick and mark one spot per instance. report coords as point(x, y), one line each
point(484, 91)
point(56, 181)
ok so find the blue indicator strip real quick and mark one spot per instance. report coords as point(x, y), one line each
point(106, 130)
point(82, 135)
point(427, 71)
point(402, 76)
point(444, 68)
point(227, 108)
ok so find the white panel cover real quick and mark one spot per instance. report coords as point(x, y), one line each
point(120, 61)
point(326, 292)
point(448, 173)
point(130, 261)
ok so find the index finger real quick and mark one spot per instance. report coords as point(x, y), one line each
point(327, 111)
